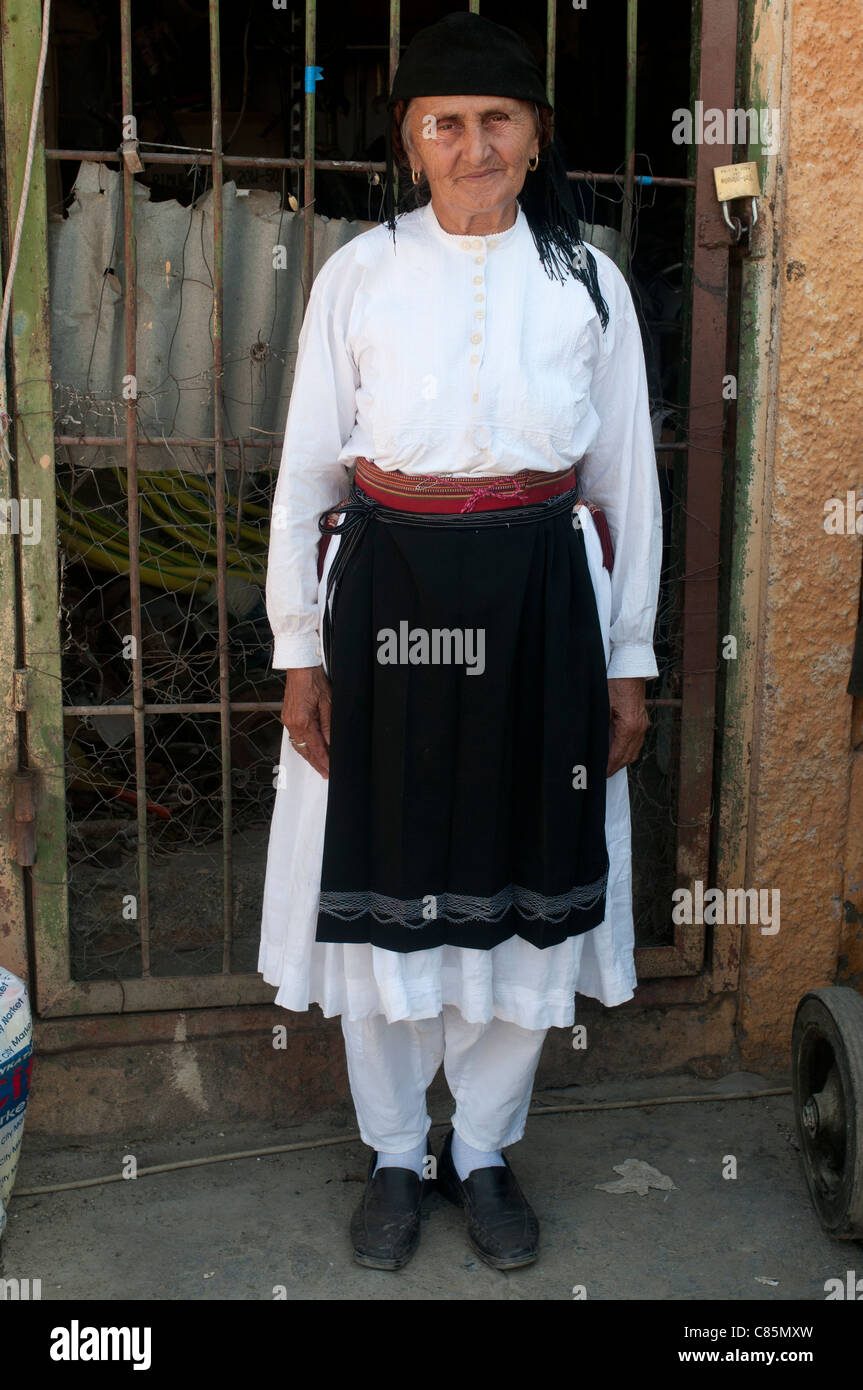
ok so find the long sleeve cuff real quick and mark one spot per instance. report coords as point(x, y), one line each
point(632, 659)
point(296, 649)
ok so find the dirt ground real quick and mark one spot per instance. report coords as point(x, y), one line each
point(276, 1226)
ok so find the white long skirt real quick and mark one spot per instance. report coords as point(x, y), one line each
point(514, 981)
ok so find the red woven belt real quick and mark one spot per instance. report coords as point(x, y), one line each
point(453, 495)
point(447, 495)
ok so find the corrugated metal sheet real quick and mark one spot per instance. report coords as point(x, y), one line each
point(263, 313)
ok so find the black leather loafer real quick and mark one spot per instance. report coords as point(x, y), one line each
point(501, 1224)
point(385, 1228)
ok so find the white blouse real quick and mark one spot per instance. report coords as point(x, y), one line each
point(460, 355)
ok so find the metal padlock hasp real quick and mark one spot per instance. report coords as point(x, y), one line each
point(737, 181)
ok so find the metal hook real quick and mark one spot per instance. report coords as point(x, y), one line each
point(736, 226)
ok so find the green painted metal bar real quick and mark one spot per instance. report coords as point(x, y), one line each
point(625, 250)
point(474, 6)
point(309, 154)
point(550, 48)
point(130, 275)
point(36, 696)
point(13, 908)
point(219, 460)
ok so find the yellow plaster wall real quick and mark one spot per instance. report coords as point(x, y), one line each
point(801, 786)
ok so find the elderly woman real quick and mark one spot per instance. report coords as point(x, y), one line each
point(449, 856)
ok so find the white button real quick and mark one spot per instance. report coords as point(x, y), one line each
point(476, 395)
point(492, 244)
point(479, 314)
point(478, 298)
point(467, 246)
point(476, 337)
point(477, 279)
point(479, 260)
point(474, 358)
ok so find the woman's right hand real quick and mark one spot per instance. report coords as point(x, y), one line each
point(306, 715)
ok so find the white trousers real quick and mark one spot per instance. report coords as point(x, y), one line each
point(489, 1068)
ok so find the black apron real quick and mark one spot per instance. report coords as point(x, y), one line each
point(470, 730)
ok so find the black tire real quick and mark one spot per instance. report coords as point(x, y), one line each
point(827, 1063)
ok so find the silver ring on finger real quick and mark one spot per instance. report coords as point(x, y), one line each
point(297, 743)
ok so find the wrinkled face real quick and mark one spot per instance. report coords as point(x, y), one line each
point(474, 151)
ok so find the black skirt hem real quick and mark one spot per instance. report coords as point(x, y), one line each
point(473, 934)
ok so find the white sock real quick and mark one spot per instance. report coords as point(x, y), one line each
point(465, 1158)
point(412, 1158)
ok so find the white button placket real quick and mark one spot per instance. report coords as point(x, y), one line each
point(480, 436)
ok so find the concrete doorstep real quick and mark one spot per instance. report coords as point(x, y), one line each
point(277, 1226)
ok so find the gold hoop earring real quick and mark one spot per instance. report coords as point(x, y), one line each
point(533, 164)
point(416, 175)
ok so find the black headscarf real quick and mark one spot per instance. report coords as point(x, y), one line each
point(466, 54)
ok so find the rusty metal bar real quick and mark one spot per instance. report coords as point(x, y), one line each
point(644, 180)
point(625, 250)
point(219, 450)
point(344, 166)
point(550, 48)
point(111, 441)
point(236, 161)
point(213, 707)
point(309, 153)
point(714, 84)
point(395, 41)
point(394, 51)
point(237, 707)
point(130, 274)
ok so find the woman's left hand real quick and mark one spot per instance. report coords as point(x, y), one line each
point(629, 721)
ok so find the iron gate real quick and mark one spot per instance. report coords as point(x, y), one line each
point(113, 787)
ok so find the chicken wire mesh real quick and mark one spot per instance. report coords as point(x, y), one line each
point(180, 667)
